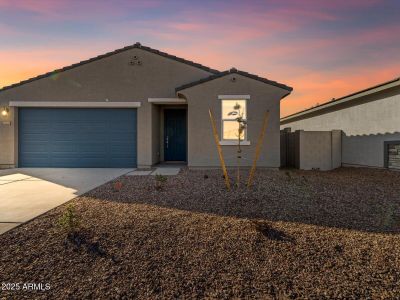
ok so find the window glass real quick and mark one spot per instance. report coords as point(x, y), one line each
point(231, 130)
point(228, 106)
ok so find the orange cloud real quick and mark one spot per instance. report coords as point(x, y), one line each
point(18, 65)
point(314, 89)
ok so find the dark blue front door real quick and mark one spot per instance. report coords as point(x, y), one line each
point(77, 138)
point(175, 135)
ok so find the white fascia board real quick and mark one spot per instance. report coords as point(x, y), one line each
point(72, 104)
point(167, 100)
point(233, 97)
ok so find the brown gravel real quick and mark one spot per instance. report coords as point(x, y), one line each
point(294, 234)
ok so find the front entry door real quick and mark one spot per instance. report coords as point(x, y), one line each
point(175, 134)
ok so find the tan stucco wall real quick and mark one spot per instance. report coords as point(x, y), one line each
point(7, 138)
point(202, 150)
point(320, 150)
point(111, 78)
point(366, 123)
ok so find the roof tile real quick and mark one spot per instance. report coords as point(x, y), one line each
point(234, 71)
point(136, 45)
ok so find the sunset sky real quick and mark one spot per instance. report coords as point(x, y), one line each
point(323, 49)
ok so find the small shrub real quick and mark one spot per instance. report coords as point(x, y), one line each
point(118, 186)
point(69, 220)
point(339, 248)
point(160, 181)
point(205, 176)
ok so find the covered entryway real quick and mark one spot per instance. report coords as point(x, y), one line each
point(77, 137)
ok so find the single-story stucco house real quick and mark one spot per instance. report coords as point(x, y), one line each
point(136, 107)
point(368, 119)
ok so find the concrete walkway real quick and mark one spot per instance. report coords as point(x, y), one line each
point(165, 171)
point(27, 193)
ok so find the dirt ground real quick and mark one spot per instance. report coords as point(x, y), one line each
point(293, 234)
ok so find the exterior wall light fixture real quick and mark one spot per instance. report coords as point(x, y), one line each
point(4, 111)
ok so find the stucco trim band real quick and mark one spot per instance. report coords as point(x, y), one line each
point(75, 104)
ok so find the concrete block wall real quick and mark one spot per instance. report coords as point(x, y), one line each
point(321, 150)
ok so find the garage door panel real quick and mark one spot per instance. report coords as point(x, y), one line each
point(35, 137)
point(34, 127)
point(38, 163)
point(78, 138)
point(121, 136)
point(34, 147)
point(121, 149)
point(60, 127)
point(83, 126)
point(93, 147)
point(37, 159)
point(38, 155)
point(121, 127)
point(64, 147)
point(50, 137)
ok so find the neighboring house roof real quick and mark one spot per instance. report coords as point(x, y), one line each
point(233, 71)
point(365, 92)
point(136, 45)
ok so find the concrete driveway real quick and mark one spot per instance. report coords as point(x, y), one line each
point(27, 193)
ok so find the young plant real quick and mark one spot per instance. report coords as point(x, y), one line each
point(69, 220)
point(160, 181)
point(118, 186)
point(242, 124)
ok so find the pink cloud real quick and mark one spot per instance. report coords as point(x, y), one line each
point(78, 10)
point(43, 7)
point(6, 30)
point(187, 26)
point(327, 5)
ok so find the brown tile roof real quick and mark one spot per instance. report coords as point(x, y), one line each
point(136, 45)
point(231, 71)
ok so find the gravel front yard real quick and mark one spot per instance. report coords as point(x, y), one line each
point(294, 234)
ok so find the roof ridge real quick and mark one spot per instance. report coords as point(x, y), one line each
point(101, 56)
point(231, 71)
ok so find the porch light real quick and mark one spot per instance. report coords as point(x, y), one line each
point(4, 111)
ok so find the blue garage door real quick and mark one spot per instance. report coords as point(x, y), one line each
point(77, 138)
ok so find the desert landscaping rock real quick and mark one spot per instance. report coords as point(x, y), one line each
point(293, 234)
